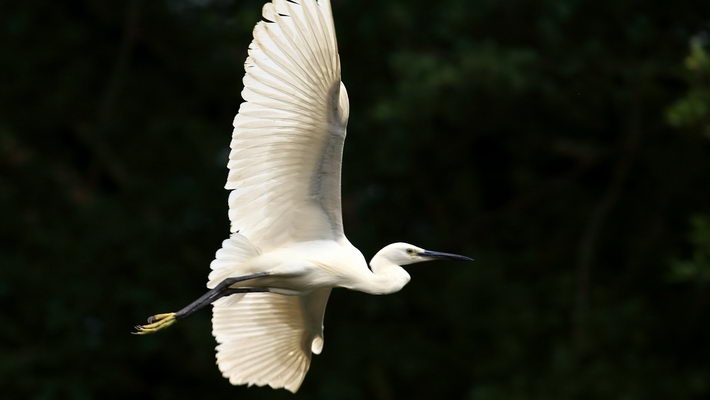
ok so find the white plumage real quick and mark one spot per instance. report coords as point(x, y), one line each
point(284, 167)
point(267, 339)
point(284, 173)
point(271, 279)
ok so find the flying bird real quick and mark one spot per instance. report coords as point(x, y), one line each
point(270, 280)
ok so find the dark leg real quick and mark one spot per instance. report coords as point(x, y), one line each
point(161, 321)
point(209, 298)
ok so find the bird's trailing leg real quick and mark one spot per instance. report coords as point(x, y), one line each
point(161, 321)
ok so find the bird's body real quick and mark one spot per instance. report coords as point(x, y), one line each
point(272, 277)
point(302, 267)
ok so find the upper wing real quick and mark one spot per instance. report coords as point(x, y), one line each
point(284, 167)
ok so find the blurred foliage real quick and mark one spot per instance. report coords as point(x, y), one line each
point(698, 267)
point(540, 137)
point(693, 111)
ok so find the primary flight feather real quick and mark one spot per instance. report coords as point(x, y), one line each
point(271, 279)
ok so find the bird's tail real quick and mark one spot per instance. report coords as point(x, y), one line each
point(234, 253)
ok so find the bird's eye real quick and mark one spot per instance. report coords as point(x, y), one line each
point(410, 252)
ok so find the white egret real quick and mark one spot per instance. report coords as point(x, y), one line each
point(271, 279)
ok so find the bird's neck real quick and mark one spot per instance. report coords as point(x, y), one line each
point(386, 277)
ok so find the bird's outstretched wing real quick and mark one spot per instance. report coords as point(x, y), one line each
point(267, 338)
point(284, 166)
point(284, 173)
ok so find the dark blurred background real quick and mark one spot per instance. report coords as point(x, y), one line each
point(563, 144)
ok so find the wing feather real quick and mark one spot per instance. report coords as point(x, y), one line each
point(268, 339)
point(284, 177)
point(286, 149)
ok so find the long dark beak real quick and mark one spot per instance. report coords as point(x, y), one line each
point(445, 256)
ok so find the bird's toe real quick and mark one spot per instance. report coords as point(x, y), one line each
point(155, 323)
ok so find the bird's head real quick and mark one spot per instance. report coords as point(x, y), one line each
point(404, 254)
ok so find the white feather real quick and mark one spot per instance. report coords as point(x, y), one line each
point(267, 339)
point(284, 173)
point(288, 136)
point(284, 206)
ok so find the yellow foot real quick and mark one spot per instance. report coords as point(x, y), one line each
point(155, 323)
